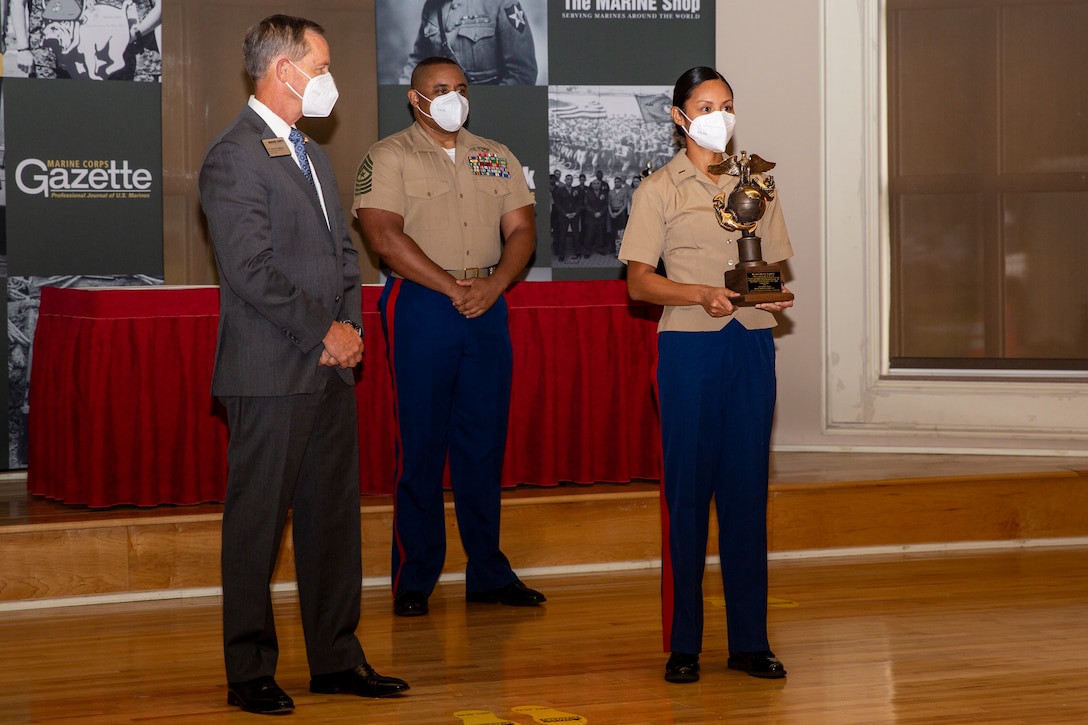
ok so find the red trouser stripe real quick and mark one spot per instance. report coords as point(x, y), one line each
point(390, 317)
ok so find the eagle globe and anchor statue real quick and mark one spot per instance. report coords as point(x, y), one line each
point(756, 281)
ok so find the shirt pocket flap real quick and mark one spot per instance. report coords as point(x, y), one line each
point(491, 196)
point(476, 29)
point(426, 188)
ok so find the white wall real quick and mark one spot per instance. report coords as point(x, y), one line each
point(770, 53)
point(807, 78)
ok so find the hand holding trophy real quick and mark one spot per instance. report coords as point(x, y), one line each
point(756, 281)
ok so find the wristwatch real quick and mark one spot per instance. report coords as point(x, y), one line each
point(354, 325)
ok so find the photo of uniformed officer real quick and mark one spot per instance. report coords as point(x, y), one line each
point(496, 42)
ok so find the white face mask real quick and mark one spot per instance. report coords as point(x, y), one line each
point(450, 110)
point(319, 96)
point(712, 130)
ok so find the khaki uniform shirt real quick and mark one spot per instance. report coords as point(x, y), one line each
point(672, 219)
point(451, 210)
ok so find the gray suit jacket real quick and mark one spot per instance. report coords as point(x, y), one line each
point(284, 275)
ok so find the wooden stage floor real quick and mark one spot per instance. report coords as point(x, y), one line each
point(995, 638)
point(968, 606)
point(821, 504)
point(18, 508)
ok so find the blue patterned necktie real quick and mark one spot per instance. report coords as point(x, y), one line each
point(300, 150)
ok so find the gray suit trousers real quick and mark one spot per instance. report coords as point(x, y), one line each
point(297, 453)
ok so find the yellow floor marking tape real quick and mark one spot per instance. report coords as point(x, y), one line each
point(548, 715)
point(481, 717)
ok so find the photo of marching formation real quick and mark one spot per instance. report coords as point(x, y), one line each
point(603, 140)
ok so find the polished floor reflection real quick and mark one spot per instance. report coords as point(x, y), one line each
point(997, 637)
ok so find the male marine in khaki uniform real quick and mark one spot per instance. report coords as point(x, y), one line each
point(451, 215)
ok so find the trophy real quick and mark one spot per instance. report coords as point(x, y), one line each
point(755, 280)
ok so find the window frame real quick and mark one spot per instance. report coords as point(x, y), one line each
point(863, 393)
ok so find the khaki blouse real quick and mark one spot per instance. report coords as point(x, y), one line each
point(673, 219)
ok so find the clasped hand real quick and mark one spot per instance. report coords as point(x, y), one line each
point(477, 295)
point(343, 347)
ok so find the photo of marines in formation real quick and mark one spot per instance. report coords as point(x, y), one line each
point(602, 141)
point(588, 219)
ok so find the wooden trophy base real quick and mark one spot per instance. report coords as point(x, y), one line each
point(757, 284)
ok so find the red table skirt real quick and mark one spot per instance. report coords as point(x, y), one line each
point(121, 410)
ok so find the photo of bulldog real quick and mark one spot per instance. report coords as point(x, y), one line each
point(88, 42)
point(86, 39)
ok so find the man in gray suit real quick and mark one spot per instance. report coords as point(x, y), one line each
point(290, 335)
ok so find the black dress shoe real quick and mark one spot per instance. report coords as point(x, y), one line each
point(410, 604)
point(514, 594)
point(757, 664)
point(360, 680)
point(260, 695)
point(682, 667)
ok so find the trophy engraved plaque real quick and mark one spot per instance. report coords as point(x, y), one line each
point(756, 281)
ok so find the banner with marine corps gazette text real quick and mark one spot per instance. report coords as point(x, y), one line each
point(83, 197)
point(82, 204)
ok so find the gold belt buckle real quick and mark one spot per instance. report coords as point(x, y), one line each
point(472, 272)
